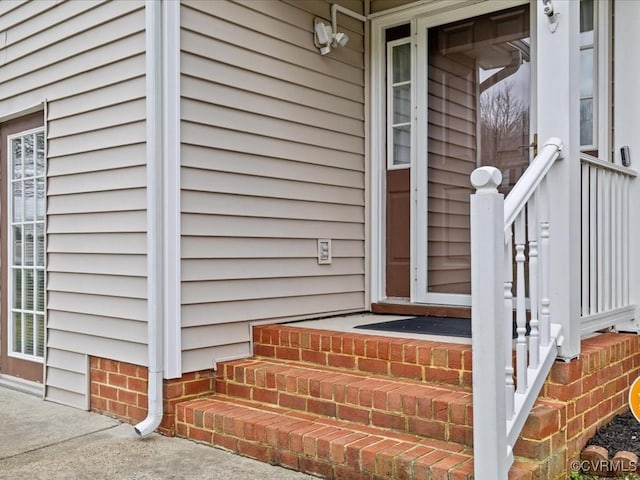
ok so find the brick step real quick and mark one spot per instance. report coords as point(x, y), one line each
point(322, 446)
point(442, 412)
point(436, 362)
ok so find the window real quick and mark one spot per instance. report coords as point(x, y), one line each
point(594, 77)
point(588, 75)
point(399, 103)
point(26, 232)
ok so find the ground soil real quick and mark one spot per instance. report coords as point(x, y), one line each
point(621, 433)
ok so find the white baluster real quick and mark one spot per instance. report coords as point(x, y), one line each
point(545, 302)
point(532, 232)
point(606, 213)
point(521, 312)
point(625, 241)
point(584, 250)
point(613, 238)
point(601, 240)
point(593, 240)
point(619, 240)
point(508, 324)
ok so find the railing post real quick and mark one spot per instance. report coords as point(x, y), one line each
point(557, 114)
point(488, 332)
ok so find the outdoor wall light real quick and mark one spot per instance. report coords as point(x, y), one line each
point(325, 36)
point(549, 11)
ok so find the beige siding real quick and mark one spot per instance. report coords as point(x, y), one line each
point(87, 59)
point(380, 5)
point(272, 160)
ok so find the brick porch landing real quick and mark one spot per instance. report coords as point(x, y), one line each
point(351, 405)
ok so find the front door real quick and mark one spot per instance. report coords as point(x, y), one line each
point(470, 84)
point(22, 248)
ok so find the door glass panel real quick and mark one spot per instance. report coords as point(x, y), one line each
point(399, 103)
point(478, 114)
point(402, 63)
point(402, 103)
point(402, 145)
point(27, 167)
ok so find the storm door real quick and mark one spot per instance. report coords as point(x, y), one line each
point(475, 98)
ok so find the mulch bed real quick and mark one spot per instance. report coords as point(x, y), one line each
point(622, 433)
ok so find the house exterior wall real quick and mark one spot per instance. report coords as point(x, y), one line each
point(626, 121)
point(272, 160)
point(87, 60)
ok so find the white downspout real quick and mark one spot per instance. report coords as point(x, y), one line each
point(335, 8)
point(155, 317)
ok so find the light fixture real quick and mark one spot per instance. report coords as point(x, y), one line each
point(552, 15)
point(340, 38)
point(326, 37)
point(323, 33)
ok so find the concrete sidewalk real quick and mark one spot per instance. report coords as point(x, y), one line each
point(43, 440)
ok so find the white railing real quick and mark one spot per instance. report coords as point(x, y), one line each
point(605, 245)
point(505, 388)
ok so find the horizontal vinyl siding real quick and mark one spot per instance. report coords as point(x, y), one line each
point(67, 378)
point(88, 60)
point(272, 160)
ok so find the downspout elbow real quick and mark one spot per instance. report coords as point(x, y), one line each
point(155, 407)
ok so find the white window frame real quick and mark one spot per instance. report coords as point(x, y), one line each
point(10, 252)
point(390, 106)
point(601, 81)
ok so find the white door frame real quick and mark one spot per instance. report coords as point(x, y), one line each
point(421, 16)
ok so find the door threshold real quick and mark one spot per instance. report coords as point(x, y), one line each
point(22, 385)
point(400, 306)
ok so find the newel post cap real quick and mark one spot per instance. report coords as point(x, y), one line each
point(486, 179)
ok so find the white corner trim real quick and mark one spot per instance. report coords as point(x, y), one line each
point(171, 162)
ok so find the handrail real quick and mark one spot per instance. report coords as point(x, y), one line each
point(510, 272)
point(530, 180)
point(614, 167)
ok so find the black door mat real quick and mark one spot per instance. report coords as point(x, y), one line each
point(446, 326)
point(443, 326)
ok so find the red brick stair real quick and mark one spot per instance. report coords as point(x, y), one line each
point(442, 412)
point(347, 406)
point(319, 445)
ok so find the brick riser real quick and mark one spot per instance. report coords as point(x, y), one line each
point(435, 362)
point(343, 405)
point(441, 412)
point(319, 445)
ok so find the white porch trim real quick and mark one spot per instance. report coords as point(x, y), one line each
point(557, 112)
point(171, 164)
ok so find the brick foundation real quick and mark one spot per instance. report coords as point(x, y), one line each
point(580, 396)
point(577, 398)
point(119, 389)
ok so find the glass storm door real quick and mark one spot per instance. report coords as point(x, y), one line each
point(473, 95)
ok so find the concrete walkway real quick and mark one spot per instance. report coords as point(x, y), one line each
point(43, 440)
